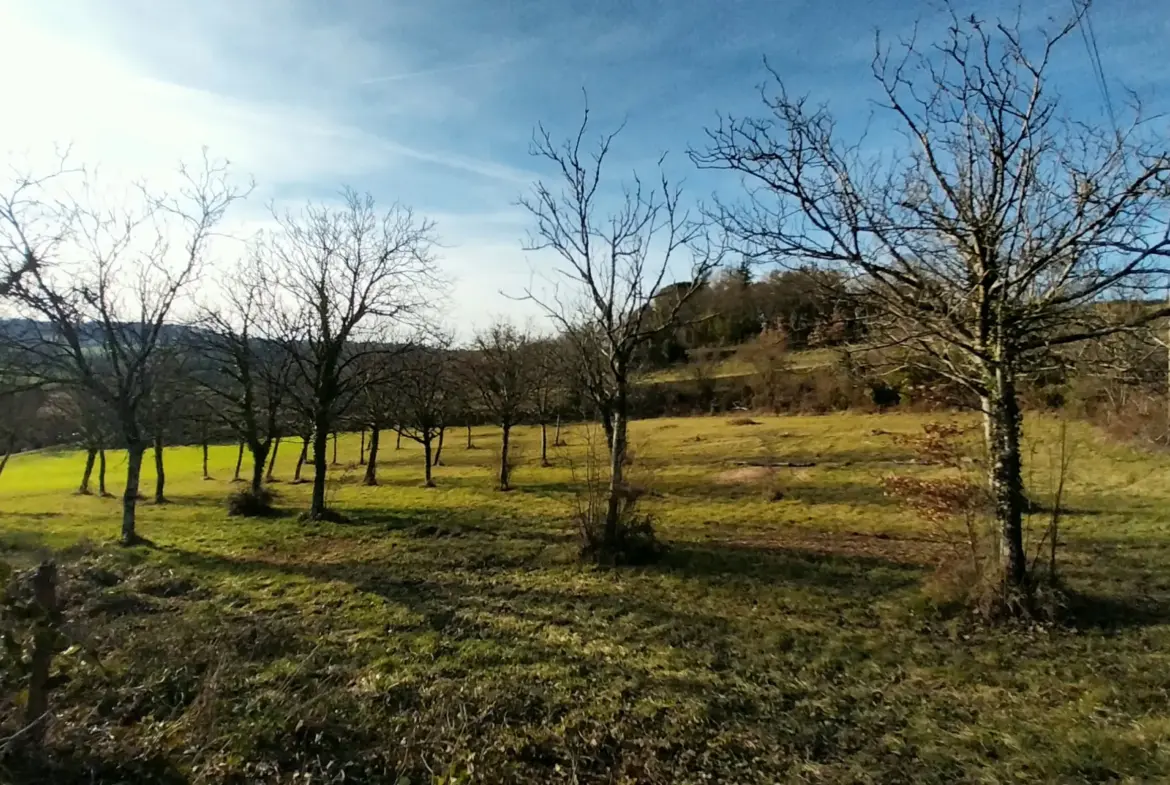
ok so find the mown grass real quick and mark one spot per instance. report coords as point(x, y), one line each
point(451, 632)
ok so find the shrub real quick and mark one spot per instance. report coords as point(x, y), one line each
point(958, 505)
point(634, 541)
point(883, 394)
point(251, 504)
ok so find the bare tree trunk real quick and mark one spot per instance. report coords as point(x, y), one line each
point(335, 448)
point(607, 423)
point(7, 455)
point(430, 483)
point(102, 472)
point(544, 444)
point(272, 458)
point(617, 464)
point(320, 465)
point(135, 450)
point(239, 463)
point(371, 477)
point(301, 459)
point(1003, 424)
point(37, 706)
point(557, 438)
point(362, 453)
point(206, 476)
point(90, 457)
point(259, 453)
point(504, 468)
point(160, 479)
point(439, 449)
point(469, 444)
point(398, 441)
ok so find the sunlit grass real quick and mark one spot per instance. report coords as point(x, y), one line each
point(783, 638)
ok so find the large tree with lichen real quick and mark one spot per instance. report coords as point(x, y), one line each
point(983, 242)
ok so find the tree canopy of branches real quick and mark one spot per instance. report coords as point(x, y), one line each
point(378, 403)
point(427, 387)
point(985, 240)
point(352, 274)
point(247, 365)
point(616, 252)
point(551, 376)
point(98, 285)
point(503, 370)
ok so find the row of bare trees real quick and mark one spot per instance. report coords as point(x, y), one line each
point(989, 231)
point(329, 321)
point(93, 291)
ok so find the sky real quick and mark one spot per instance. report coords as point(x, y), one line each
point(432, 103)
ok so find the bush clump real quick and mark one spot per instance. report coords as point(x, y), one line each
point(634, 543)
point(251, 504)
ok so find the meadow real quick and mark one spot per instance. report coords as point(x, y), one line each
point(451, 635)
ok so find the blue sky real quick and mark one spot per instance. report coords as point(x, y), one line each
point(432, 102)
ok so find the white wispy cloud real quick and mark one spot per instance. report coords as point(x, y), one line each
point(139, 87)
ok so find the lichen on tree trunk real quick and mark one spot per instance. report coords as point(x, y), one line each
point(617, 460)
point(317, 505)
point(1002, 426)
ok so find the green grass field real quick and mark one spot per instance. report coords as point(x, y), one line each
point(450, 635)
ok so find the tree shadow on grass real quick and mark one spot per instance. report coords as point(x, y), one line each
point(513, 615)
point(852, 576)
point(450, 544)
point(1090, 611)
point(67, 766)
point(712, 492)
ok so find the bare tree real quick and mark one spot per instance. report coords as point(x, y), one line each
point(163, 408)
point(550, 377)
point(616, 252)
point(102, 296)
point(18, 414)
point(768, 356)
point(248, 367)
point(352, 274)
point(33, 224)
point(988, 239)
point(96, 430)
point(503, 372)
point(425, 385)
point(377, 405)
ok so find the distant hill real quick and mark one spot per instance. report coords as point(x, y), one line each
point(31, 329)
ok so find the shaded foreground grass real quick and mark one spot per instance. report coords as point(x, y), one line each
point(452, 632)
